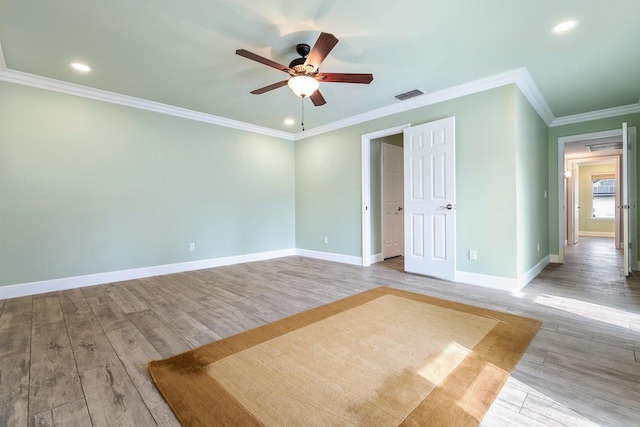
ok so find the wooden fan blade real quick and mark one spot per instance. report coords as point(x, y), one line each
point(270, 87)
point(262, 60)
point(320, 50)
point(317, 98)
point(346, 78)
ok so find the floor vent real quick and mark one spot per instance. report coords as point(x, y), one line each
point(410, 94)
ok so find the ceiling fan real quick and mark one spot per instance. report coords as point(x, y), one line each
point(305, 71)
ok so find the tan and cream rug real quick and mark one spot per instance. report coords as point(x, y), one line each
point(384, 357)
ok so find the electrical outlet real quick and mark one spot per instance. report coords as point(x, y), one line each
point(473, 255)
point(192, 247)
point(538, 247)
point(326, 240)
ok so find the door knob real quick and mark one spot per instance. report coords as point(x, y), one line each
point(448, 207)
point(400, 208)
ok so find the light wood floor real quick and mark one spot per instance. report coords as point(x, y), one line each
point(78, 357)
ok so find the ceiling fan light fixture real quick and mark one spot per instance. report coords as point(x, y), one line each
point(303, 86)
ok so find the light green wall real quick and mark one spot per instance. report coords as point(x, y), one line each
point(633, 120)
point(531, 184)
point(328, 181)
point(586, 221)
point(89, 187)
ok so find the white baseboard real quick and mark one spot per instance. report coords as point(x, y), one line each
point(40, 287)
point(555, 258)
point(502, 283)
point(33, 288)
point(596, 234)
point(377, 258)
point(327, 256)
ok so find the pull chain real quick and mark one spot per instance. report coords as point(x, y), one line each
point(302, 121)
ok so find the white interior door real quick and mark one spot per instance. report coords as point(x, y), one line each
point(575, 178)
point(429, 171)
point(626, 240)
point(392, 201)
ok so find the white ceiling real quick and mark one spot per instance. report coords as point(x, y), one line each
point(182, 53)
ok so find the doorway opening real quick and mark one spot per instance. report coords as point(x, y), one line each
point(372, 212)
point(429, 198)
point(590, 178)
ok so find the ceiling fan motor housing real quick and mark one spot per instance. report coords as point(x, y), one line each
point(298, 63)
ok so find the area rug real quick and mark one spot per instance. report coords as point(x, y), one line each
point(384, 357)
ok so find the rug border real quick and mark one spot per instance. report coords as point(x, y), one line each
point(513, 332)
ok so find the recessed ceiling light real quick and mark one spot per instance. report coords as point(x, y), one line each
point(78, 66)
point(289, 122)
point(565, 26)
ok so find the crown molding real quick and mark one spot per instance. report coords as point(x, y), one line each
point(595, 115)
point(530, 90)
point(519, 77)
point(26, 79)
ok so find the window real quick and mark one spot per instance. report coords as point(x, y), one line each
point(603, 200)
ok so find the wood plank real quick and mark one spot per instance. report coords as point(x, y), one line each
point(550, 413)
point(551, 383)
point(91, 347)
point(43, 419)
point(578, 347)
point(606, 370)
point(72, 414)
point(15, 340)
point(164, 416)
point(17, 313)
point(112, 399)
point(127, 301)
point(54, 378)
point(184, 324)
point(108, 313)
point(14, 390)
point(163, 338)
point(136, 352)
point(47, 309)
point(72, 301)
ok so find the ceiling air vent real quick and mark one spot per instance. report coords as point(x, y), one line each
point(410, 94)
point(604, 147)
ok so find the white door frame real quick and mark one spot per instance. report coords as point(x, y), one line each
point(561, 180)
point(366, 186)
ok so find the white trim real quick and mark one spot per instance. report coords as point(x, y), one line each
point(327, 256)
point(596, 234)
point(377, 258)
point(595, 115)
point(530, 90)
point(33, 288)
point(366, 186)
point(46, 83)
point(534, 271)
point(562, 140)
point(502, 283)
point(486, 281)
point(588, 136)
point(554, 258)
point(519, 77)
